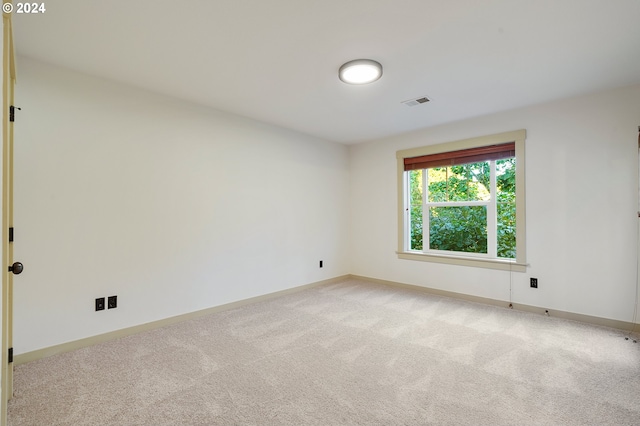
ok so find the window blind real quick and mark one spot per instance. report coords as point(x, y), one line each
point(465, 156)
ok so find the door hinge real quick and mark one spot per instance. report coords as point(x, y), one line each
point(12, 113)
point(10, 355)
point(11, 234)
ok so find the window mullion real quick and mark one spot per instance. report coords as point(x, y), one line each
point(457, 203)
point(407, 210)
point(492, 216)
point(425, 210)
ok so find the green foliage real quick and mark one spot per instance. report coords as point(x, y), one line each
point(507, 226)
point(468, 182)
point(506, 204)
point(416, 209)
point(458, 229)
point(464, 228)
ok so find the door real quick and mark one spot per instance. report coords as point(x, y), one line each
point(9, 268)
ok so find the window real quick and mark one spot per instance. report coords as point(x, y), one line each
point(463, 202)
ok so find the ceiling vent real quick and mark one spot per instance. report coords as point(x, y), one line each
point(417, 101)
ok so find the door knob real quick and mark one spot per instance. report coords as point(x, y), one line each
point(16, 268)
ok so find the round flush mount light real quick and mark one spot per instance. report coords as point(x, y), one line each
point(360, 71)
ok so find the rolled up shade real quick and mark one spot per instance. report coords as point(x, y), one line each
point(465, 156)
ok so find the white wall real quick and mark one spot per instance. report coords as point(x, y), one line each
point(581, 194)
point(171, 206)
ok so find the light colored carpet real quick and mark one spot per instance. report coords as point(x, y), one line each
point(352, 353)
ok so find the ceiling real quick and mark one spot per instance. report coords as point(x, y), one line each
point(277, 60)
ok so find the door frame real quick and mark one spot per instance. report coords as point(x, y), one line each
point(8, 82)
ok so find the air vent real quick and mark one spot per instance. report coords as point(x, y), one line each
point(417, 101)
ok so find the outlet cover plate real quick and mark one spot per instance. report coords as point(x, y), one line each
point(112, 302)
point(100, 304)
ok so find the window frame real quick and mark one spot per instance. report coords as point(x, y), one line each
point(466, 259)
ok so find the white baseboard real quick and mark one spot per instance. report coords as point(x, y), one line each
point(605, 322)
point(93, 340)
point(90, 341)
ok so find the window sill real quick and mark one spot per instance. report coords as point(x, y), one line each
point(503, 265)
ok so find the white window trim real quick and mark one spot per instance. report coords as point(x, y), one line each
point(519, 264)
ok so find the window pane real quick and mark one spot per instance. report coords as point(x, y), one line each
point(506, 205)
point(415, 189)
point(461, 229)
point(467, 182)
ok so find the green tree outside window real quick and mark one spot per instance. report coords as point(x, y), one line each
point(464, 228)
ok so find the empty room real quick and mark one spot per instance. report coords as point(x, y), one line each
point(289, 212)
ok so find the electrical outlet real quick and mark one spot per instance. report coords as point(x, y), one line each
point(100, 304)
point(534, 283)
point(112, 302)
point(321, 263)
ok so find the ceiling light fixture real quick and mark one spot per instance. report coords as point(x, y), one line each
point(360, 71)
